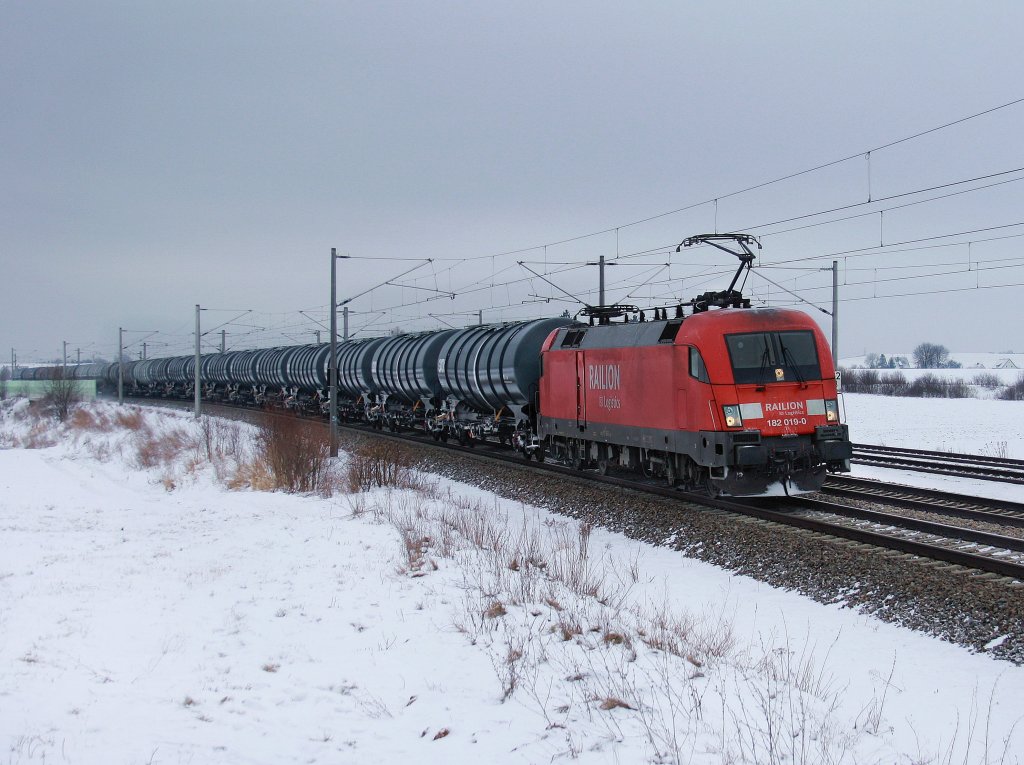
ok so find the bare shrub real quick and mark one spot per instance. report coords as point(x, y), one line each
point(1014, 391)
point(866, 380)
point(62, 394)
point(510, 669)
point(892, 384)
point(986, 380)
point(295, 453)
point(930, 386)
point(379, 463)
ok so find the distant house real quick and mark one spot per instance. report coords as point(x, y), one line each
point(1006, 364)
point(979, 365)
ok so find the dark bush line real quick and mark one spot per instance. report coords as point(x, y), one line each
point(896, 384)
point(1015, 391)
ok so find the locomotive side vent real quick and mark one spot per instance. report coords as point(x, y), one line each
point(573, 338)
point(668, 334)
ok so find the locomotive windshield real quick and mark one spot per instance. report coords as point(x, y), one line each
point(768, 357)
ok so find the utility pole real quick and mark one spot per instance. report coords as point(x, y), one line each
point(333, 370)
point(78, 355)
point(835, 314)
point(223, 340)
point(64, 367)
point(333, 358)
point(14, 362)
point(600, 300)
point(317, 333)
point(120, 365)
point(344, 313)
point(480, 317)
point(143, 351)
point(198, 397)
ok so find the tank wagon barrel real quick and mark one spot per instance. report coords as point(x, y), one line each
point(405, 366)
point(491, 367)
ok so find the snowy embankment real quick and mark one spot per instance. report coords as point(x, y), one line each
point(966, 426)
point(148, 614)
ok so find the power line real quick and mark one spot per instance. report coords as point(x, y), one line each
point(763, 184)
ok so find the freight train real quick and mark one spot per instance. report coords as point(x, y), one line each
point(730, 399)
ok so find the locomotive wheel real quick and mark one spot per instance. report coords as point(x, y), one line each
point(711, 487)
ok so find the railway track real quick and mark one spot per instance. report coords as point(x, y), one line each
point(1001, 512)
point(963, 550)
point(1001, 469)
point(965, 546)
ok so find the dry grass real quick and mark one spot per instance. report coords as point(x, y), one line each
point(129, 419)
point(495, 610)
point(611, 702)
point(90, 420)
point(161, 450)
point(39, 436)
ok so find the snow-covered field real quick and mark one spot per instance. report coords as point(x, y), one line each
point(150, 615)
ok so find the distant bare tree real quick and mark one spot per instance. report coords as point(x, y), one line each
point(931, 356)
point(62, 393)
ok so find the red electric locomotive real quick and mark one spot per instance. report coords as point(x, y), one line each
point(739, 400)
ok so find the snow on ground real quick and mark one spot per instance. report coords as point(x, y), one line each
point(149, 615)
point(966, 426)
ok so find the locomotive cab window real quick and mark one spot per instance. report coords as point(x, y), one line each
point(697, 368)
point(771, 357)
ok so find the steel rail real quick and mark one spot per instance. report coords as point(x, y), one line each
point(945, 530)
point(1003, 512)
point(954, 456)
point(941, 463)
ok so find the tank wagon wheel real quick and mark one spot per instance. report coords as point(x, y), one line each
point(602, 467)
point(539, 455)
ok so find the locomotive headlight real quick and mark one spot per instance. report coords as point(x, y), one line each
point(832, 410)
point(732, 416)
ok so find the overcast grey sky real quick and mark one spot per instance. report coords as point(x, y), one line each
point(157, 155)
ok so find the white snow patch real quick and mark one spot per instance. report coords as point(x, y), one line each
point(139, 624)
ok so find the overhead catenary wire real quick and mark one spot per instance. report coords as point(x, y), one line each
point(405, 309)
